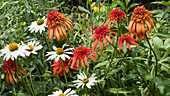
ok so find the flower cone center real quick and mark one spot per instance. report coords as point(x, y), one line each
point(31, 48)
point(13, 46)
point(85, 80)
point(62, 94)
point(59, 51)
point(40, 21)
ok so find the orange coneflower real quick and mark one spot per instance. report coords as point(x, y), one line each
point(139, 18)
point(80, 54)
point(100, 33)
point(57, 66)
point(10, 69)
point(128, 39)
point(114, 16)
point(55, 21)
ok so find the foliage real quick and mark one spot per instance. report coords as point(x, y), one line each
point(128, 72)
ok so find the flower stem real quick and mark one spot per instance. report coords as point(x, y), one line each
point(156, 66)
point(46, 40)
point(30, 77)
point(115, 50)
point(26, 78)
point(64, 72)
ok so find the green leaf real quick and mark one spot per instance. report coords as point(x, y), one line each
point(167, 43)
point(157, 41)
point(159, 84)
point(166, 35)
point(118, 91)
point(85, 10)
point(4, 3)
point(114, 71)
point(23, 94)
point(101, 64)
point(131, 6)
point(131, 76)
point(122, 5)
point(162, 2)
point(127, 2)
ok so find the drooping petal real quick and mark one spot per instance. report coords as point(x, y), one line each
point(95, 44)
point(101, 44)
point(91, 57)
point(56, 33)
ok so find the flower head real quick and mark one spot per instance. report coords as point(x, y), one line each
point(57, 66)
point(100, 33)
point(114, 16)
point(59, 53)
point(128, 39)
point(139, 18)
point(38, 25)
point(13, 50)
point(95, 8)
point(68, 92)
point(33, 47)
point(80, 54)
point(55, 21)
point(10, 69)
point(83, 80)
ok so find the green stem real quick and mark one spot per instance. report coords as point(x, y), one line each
point(31, 78)
point(26, 77)
point(156, 66)
point(22, 77)
point(64, 72)
point(46, 40)
point(115, 49)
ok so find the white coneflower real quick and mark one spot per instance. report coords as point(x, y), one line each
point(59, 53)
point(13, 50)
point(83, 80)
point(33, 47)
point(68, 92)
point(38, 25)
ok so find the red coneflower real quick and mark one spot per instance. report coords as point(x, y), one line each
point(128, 39)
point(80, 54)
point(114, 16)
point(10, 69)
point(100, 33)
point(57, 66)
point(55, 21)
point(139, 18)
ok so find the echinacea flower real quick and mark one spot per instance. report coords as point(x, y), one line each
point(55, 21)
point(57, 66)
point(59, 53)
point(38, 25)
point(33, 47)
point(141, 17)
point(102, 33)
point(68, 92)
point(10, 69)
point(84, 81)
point(114, 16)
point(13, 50)
point(127, 39)
point(80, 54)
point(95, 8)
